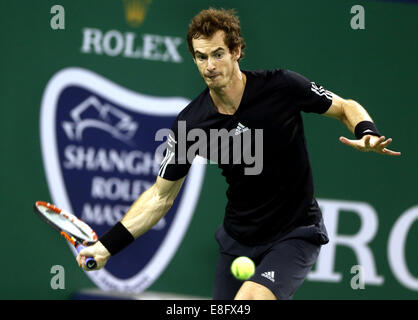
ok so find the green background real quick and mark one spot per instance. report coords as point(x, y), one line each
point(376, 67)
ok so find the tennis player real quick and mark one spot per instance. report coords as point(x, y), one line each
point(271, 216)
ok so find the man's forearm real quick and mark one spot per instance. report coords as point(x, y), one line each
point(145, 212)
point(353, 113)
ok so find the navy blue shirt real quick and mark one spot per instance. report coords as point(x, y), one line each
point(264, 206)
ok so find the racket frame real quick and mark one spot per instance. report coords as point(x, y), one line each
point(72, 218)
point(76, 241)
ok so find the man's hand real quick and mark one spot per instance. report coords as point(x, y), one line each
point(371, 143)
point(97, 251)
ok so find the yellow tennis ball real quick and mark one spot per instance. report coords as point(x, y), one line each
point(242, 268)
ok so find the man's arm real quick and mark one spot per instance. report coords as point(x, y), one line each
point(151, 206)
point(144, 213)
point(351, 113)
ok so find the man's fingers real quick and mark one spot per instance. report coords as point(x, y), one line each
point(391, 152)
point(97, 251)
point(378, 142)
point(367, 142)
point(381, 145)
point(364, 145)
point(385, 143)
point(81, 258)
point(346, 141)
point(351, 143)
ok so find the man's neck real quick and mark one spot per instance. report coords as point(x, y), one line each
point(227, 99)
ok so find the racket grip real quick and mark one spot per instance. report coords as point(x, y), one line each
point(90, 263)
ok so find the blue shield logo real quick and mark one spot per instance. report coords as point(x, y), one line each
point(99, 151)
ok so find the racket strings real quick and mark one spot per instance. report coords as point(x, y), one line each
point(84, 230)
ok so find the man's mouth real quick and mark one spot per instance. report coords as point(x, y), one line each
point(212, 76)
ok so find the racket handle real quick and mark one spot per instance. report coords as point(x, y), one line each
point(90, 263)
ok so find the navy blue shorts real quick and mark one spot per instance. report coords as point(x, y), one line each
point(281, 266)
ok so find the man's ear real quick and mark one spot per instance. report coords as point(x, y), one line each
point(237, 53)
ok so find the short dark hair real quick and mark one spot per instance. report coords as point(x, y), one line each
point(211, 20)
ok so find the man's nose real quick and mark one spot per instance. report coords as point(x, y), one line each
point(211, 65)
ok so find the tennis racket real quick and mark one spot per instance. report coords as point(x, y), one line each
point(69, 226)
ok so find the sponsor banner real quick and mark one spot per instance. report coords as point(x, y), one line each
point(99, 151)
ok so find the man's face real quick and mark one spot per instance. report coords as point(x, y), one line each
point(215, 62)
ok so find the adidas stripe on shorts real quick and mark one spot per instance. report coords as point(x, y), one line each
point(281, 266)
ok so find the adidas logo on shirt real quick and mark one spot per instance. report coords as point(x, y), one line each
point(269, 275)
point(240, 128)
point(320, 91)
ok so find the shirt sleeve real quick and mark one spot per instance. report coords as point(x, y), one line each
point(308, 96)
point(175, 164)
